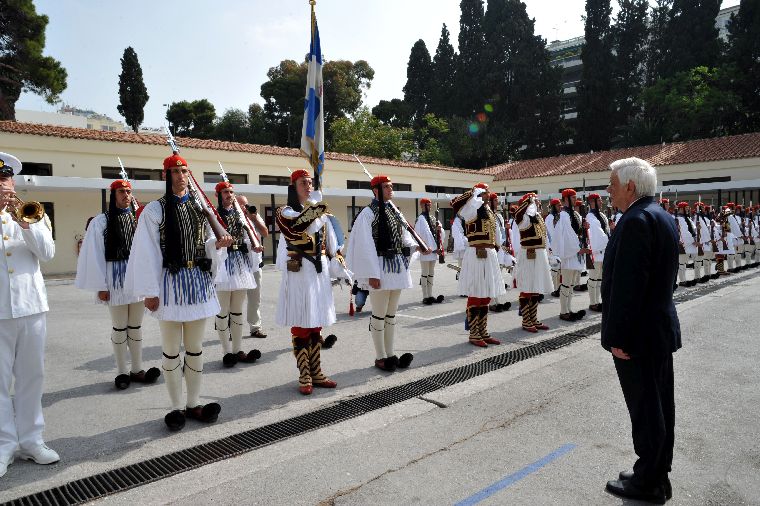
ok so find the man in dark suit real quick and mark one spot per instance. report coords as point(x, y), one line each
point(640, 326)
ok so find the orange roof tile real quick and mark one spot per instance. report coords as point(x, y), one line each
point(189, 142)
point(703, 150)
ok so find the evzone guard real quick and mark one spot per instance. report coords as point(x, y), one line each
point(431, 231)
point(173, 263)
point(378, 254)
point(306, 300)
point(533, 273)
point(480, 277)
point(102, 267)
point(238, 277)
point(555, 206)
point(566, 244)
point(598, 233)
point(504, 253)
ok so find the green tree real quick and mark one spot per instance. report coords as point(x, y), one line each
point(396, 113)
point(363, 134)
point(192, 119)
point(419, 77)
point(133, 95)
point(283, 93)
point(596, 91)
point(744, 55)
point(232, 126)
point(695, 104)
point(433, 147)
point(469, 62)
point(22, 65)
point(630, 36)
point(657, 44)
point(444, 69)
point(691, 36)
point(257, 125)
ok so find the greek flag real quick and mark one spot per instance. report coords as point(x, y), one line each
point(313, 133)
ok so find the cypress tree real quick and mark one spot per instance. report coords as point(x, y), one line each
point(657, 42)
point(744, 55)
point(630, 35)
point(442, 92)
point(691, 35)
point(419, 75)
point(133, 95)
point(596, 91)
point(468, 91)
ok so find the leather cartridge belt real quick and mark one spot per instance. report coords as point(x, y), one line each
point(202, 263)
point(297, 255)
point(243, 248)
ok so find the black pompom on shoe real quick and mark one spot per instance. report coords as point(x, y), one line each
point(439, 299)
point(122, 381)
point(404, 360)
point(151, 375)
point(229, 360)
point(175, 420)
point(329, 341)
point(506, 306)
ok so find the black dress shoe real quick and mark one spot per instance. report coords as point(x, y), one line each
point(625, 488)
point(555, 293)
point(627, 475)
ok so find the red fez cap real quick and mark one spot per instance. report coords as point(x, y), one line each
point(526, 197)
point(378, 180)
point(730, 205)
point(482, 185)
point(708, 208)
point(554, 202)
point(512, 208)
point(664, 201)
point(594, 196)
point(578, 203)
point(221, 185)
point(697, 204)
point(425, 200)
point(739, 206)
point(757, 206)
point(682, 205)
point(120, 183)
point(174, 161)
point(568, 192)
point(298, 174)
point(493, 196)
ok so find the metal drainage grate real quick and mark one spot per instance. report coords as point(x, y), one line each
point(127, 477)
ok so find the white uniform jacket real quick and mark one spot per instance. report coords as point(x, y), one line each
point(22, 289)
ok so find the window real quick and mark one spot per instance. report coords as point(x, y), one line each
point(132, 173)
point(36, 169)
point(215, 177)
point(717, 179)
point(274, 180)
point(587, 189)
point(364, 185)
point(450, 190)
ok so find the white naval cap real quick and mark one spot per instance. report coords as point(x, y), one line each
point(9, 165)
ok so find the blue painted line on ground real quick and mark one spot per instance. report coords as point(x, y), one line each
point(515, 477)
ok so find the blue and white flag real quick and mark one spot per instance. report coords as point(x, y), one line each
point(313, 133)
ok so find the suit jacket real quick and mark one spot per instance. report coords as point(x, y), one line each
point(638, 279)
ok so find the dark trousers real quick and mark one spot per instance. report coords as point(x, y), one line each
point(647, 384)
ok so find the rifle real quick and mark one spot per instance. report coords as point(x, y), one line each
point(406, 224)
point(200, 199)
point(133, 203)
point(247, 225)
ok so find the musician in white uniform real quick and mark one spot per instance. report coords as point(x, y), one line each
point(173, 263)
point(101, 268)
point(23, 304)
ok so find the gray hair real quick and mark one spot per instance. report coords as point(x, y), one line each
point(641, 172)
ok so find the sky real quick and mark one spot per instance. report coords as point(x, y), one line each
point(221, 50)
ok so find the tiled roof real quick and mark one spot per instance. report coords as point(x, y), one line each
point(188, 142)
point(704, 150)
